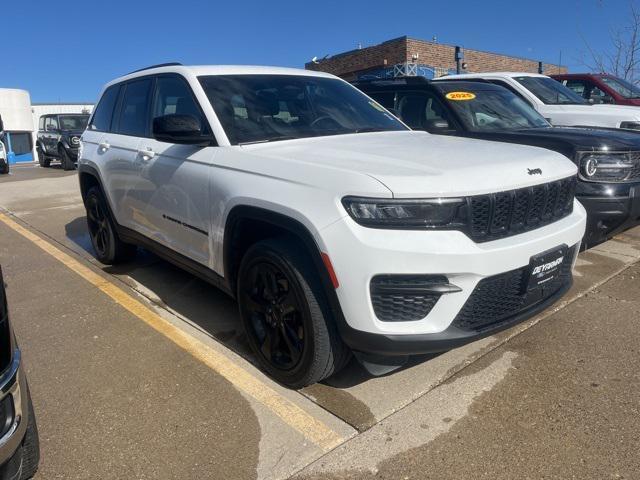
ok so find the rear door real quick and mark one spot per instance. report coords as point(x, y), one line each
point(173, 180)
point(95, 152)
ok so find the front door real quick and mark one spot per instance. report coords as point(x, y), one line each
point(172, 184)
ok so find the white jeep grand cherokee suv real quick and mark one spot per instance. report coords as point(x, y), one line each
point(336, 227)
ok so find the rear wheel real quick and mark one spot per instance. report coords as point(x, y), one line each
point(43, 160)
point(4, 167)
point(286, 317)
point(65, 159)
point(107, 246)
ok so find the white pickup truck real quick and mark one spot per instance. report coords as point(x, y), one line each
point(558, 104)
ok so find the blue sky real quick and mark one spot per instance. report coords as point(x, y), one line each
point(66, 50)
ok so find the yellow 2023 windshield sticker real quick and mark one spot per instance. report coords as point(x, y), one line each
point(460, 96)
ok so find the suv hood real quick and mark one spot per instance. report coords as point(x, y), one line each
point(591, 115)
point(613, 139)
point(417, 164)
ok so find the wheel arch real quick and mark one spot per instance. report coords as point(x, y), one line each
point(261, 223)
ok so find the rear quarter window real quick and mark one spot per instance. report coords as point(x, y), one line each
point(102, 117)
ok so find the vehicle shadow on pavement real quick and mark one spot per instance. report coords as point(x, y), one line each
point(200, 303)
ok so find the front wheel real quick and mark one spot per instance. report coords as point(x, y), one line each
point(42, 158)
point(285, 315)
point(65, 160)
point(107, 246)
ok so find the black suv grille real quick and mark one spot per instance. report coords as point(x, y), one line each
point(504, 214)
point(402, 298)
point(498, 298)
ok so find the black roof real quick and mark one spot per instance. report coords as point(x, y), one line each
point(418, 81)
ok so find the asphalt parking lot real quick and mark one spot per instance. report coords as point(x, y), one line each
point(142, 371)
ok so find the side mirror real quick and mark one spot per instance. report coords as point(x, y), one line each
point(438, 125)
point(181, 129)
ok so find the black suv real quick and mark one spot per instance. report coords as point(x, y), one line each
point(19, 445)
point(608, 159)
point(59, 138)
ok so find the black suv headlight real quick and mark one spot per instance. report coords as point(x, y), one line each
point(610, 166)
point(74, 140)
point(398, 213)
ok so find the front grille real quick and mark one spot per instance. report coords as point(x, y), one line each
point(635, 171)
point(503, 214)
point(402, 298)
point(498, 298)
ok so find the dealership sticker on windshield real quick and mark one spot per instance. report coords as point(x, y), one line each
point(460, 96)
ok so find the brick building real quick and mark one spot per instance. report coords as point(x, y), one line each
point(410, 56)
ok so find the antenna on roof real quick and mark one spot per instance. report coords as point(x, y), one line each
point(170, 64)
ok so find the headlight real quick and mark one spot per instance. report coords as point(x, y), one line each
point(610, 167)
point(630, 125)
point(75, 140)
point(391, 213)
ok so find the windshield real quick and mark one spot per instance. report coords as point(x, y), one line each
point(73, 122)
point(622, 87)
point(262, 108)
point(496, 110)
point(550, 91)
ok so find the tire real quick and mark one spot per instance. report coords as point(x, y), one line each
point(4, 168)
point(292, 332)
point(30, 447)
point(107, 246)
point(42, 158)
point(65, 160)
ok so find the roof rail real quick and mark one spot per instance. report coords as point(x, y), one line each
point(405, 80)
point(169, 64)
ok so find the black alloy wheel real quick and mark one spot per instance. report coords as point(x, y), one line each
point(276, 315)
point(107, 246)
point(99, 228)
point(286, 317)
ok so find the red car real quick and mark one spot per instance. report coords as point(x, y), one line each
point(601, 88)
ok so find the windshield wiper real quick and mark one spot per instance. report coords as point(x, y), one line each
point(370, 129)
point(272, 139)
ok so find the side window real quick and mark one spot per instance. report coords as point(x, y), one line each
point(386, 99)
point(52, 123)
point(599, 96)
point(512, 90)
point(133, 112)
point(101, 120)
point(173, 96)
point(41, 123)
point(423, 111)
point(577, 86)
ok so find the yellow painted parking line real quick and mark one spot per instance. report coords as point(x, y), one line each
point(313, 429)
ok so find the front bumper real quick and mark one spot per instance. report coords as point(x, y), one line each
point(608, 216)
point(358, 254)
point(13, 386)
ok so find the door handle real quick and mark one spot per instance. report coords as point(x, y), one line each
point(147, 154)
point(104, 146)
